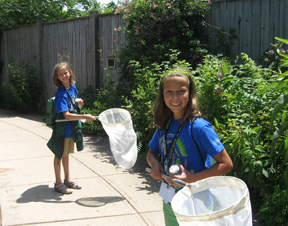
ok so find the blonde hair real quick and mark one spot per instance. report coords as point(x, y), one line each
point(57, 83)
point(162, 113)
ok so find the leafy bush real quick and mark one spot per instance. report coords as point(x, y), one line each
point(152, 28)
point(272, 57)
point(274, 209)
point(231, 94)
point(248, 105)
point(23, 89)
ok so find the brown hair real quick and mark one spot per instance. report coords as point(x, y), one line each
point(57, 83)
point(162, 113)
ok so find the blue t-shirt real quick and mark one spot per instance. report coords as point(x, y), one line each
point(185, 151)
point(63, 103)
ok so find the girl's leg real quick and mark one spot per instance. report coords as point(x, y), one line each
point(68, 181)
point(68, 148)
point(169, 216)
point(65, 163)
point(57, 170)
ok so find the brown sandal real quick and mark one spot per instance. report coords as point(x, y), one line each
point(72, 184)
point(62, 188)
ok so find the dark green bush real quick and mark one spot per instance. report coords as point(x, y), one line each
point(23, 89)
point(248, 105)
point(152, 28)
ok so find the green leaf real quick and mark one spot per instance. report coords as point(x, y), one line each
point(270, 86)
point(251, 174)
point(256, 128)
point(286, 148)
point(283, 101)
point(259, 166)
point(216, 123)
point(259, 148)
point(249, 156)
point(244, 156)
point(282, 40)
point(285, 175)
point(265, 173)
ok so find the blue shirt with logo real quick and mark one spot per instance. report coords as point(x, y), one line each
point(185, 151)
point(63, 103)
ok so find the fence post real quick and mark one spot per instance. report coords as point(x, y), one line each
point(39, 53)
point(94, 46)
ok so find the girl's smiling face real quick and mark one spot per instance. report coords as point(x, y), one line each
point(176, 95)
point(64, 76)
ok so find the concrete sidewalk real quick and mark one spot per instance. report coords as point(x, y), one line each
point(110, 195)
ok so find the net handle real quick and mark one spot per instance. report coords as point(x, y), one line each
point(178, 182)
point(69, 120)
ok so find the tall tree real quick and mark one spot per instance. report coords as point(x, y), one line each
point(14, 13)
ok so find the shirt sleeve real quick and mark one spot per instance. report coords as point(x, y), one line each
point(209, 141)
point(154, 143)
point(61, 101)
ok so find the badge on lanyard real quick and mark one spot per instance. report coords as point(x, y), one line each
point(166, 192)
point(167, 154)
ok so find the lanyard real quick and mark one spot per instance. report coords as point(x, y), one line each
point(167, 154)
point(75, 107)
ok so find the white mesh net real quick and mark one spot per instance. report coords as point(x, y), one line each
point(118, 125)
point(213, 201)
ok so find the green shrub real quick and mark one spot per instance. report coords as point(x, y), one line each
point(248, 106)
point(152, 28)
point(23, 89)
point(274, 209)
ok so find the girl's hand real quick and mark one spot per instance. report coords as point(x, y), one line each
point(90, 117)
point(156, 167)
point(156, 171)
point(81, 102)
point(185, 174)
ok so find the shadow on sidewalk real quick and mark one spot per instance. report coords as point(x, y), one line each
point(12, 114)
point(98, 201)
point(42, 193)
point(101, 151)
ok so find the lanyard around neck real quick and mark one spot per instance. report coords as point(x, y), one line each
point(167, 154)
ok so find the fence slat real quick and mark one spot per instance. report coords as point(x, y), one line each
point(255, 28)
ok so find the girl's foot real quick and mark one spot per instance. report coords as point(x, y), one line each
point(62, 188)
point(72, 184)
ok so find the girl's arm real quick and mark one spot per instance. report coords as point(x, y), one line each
point(156, 167)
point(223, 165)
point(71, 116)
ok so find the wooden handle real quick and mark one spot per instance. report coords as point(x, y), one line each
point(69, 120)
point(180, 183)
point(162, 175)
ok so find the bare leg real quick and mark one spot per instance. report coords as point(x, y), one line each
point(57, 170)
point(65, 162)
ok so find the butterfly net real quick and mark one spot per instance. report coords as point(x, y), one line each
point(213, 201)
point(118, 125)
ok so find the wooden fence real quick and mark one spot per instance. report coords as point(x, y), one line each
point(256, 22)
point(91, 44)
point(88, 43)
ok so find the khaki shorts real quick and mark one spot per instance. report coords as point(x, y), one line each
point(68, 146)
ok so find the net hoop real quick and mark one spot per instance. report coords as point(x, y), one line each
point(218, 181)
point(115, 111)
